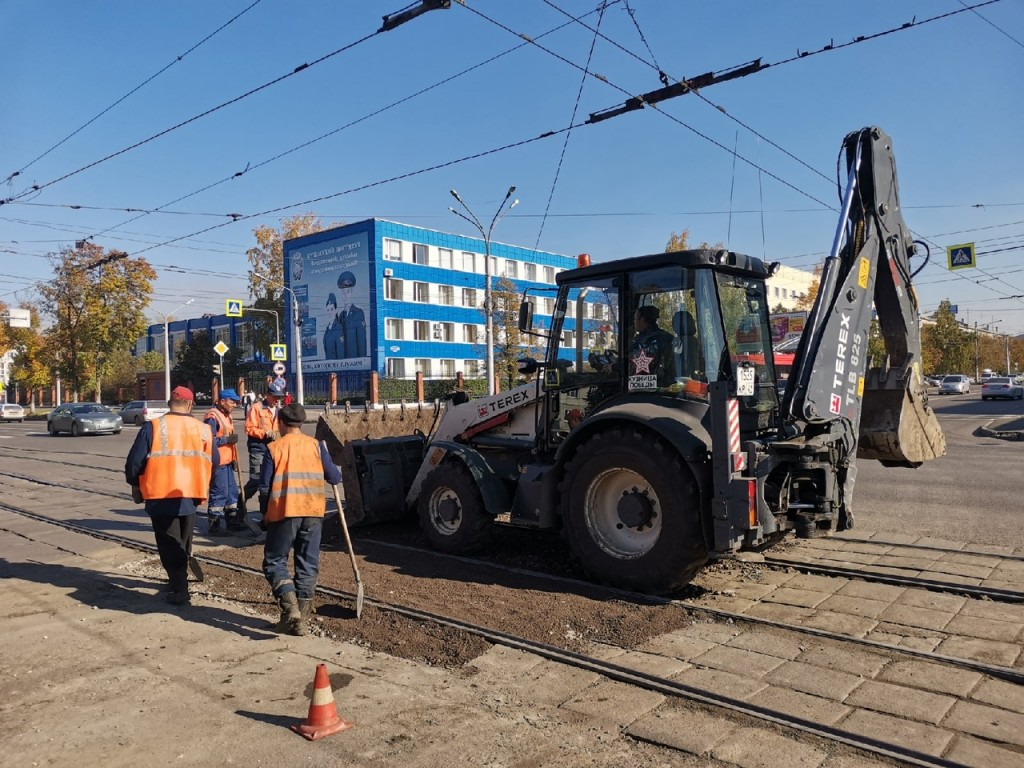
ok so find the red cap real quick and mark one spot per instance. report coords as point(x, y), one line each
point(182, 393)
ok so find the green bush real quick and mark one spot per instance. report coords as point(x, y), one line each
point(396, 390)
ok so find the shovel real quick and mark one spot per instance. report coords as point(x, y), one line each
point(351, 554)
point(255, 529)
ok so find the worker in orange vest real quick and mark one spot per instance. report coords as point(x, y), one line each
point(170, 465)
point(292, 484)
point(261, 430)
point(222, 511)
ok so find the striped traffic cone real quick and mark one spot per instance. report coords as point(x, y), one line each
point(323, 719)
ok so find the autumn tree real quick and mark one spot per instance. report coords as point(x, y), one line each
point(806, 301)
point(946, 347)
point(96, 300)
point(510, 344)
point(266, 272)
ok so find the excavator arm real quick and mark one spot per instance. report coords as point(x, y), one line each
point(882, 412)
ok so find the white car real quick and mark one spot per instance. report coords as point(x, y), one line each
point(955, 384)
point(1001, 386)
point(12, 412)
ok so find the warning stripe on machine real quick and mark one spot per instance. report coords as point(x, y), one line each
point(739, 461)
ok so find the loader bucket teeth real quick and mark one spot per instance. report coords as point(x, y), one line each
point(898, 427)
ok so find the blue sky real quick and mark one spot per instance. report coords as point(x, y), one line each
point(949, 92)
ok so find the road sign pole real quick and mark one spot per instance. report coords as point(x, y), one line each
point(221, 373)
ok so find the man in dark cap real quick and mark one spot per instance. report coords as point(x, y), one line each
point(293, 505)
point(352, 319)
point(170, 465)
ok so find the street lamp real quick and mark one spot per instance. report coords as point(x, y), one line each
point(277, 319)
point(488, 309)
point(296, 337)
point(167, 351)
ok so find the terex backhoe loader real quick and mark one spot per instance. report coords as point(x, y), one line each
point(653, 432)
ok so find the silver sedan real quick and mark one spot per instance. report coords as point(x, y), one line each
point(83, 419)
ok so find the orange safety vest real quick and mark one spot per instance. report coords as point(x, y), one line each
point(228, 453)
point(260, 421)
point(180, 462)
point(297, 489)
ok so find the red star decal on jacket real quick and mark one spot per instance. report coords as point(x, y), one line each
point(642, 362)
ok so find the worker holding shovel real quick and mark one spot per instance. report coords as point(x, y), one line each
point(292, 492)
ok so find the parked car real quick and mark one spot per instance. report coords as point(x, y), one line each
point(12, 412)
point(1001, 386)
point(83, 419)
point(955, 384)
point(932, 381)
point(141, 411)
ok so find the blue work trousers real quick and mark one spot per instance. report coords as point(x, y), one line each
point(301, 535)
point(223, 488)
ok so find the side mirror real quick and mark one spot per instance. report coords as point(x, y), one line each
point(525, 316)
point(527, 366)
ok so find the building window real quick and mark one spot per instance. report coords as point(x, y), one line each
point(511, 269)
point(447, 369)
point(444, 331)
point(393, 288)
point(471, 368)
point(494, 266)
point(419, 253)
point(444, 257)
point(422, 365)
point(567, 340)
point(470, 333)
point(243, 338)
point(469, 297)
point(530, 271)
point(549, 306)
point(223, 333)
point(393, 329)
point(393, 250)
point(446, 295)
point(421, 292)
point(468, 261)
point(549, 274)
point(421, 330)
point(396, 367)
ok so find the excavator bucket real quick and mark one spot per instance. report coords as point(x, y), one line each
point(898, 427)
point(379, 450)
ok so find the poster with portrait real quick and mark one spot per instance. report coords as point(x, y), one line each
point(331, 280)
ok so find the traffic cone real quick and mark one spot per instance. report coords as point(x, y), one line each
point(323, 719)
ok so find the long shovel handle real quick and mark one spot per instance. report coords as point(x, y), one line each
point(351, 553)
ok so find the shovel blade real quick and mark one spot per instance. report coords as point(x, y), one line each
point(359, 600)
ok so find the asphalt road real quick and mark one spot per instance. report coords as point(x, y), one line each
point(975, 493)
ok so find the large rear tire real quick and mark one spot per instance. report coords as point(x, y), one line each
point(451, 511)
point(631, 512)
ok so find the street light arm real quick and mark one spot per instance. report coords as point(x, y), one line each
point(472, 221)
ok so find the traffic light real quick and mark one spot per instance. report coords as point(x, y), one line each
point(216, 368)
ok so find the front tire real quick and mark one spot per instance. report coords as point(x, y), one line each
point(52, 429)
point(74, 429)
point(632, 512)
point(451, 511)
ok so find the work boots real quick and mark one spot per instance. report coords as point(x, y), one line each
point(291, 617)
point(305, 609)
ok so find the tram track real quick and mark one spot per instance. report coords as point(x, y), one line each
point(1007, 673)
point(605, 668)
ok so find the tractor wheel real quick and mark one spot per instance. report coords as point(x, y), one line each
point(632, 512)
point(451, 510)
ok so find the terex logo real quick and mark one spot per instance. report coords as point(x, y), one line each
point(849, 348)
point(504, 403)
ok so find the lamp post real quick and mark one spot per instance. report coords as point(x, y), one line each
point(488, 309)
point(296, 337)
point(167, 350)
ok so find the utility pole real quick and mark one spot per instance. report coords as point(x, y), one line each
point(488, 303)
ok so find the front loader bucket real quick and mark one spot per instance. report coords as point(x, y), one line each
point(379, 450)
point(897, 426)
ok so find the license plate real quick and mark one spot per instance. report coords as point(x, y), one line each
point(745, 379)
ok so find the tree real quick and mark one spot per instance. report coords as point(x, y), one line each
point(946, 347)
point(510, 344)
point(195, 361)
point(681, 242)
point(806, 301)
point(32, 367)
point(96, 300)
point(267, 259)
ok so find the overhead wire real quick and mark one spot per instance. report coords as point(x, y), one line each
point(134, 90)
point(572, 119)
point(991, 24)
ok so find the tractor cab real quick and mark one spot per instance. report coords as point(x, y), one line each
point(659, 329)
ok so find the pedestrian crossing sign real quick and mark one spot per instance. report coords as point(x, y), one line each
point(233, 307)
point(278, 351)
point(961, 256)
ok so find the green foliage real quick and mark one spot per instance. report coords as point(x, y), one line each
point(946, 347)
point(396, 390)
point(510, 344)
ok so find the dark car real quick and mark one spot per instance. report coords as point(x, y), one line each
point(83, 419)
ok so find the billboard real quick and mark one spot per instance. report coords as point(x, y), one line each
point(331, 282)
point(787, 326)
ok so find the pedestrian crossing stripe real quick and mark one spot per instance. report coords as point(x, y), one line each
point(961, 256)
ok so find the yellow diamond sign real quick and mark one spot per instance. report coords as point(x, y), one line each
point(221, 348)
